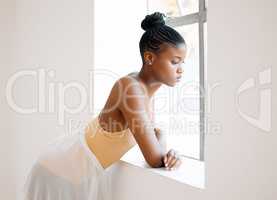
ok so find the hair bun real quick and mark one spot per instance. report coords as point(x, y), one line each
point(154, 20)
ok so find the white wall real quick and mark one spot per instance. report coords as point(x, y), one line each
point(7, 20)
point(54, 35)
point(241, 160)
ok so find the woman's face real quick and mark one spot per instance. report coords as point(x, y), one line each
point(168, 64)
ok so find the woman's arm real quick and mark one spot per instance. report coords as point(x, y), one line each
point(133, 106)
point(160, 134)
point(171, 159)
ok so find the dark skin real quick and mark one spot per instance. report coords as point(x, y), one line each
point(130, 103)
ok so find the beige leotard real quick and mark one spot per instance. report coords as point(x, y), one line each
point(108, 147)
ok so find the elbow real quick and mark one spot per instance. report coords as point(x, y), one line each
point(155, 163)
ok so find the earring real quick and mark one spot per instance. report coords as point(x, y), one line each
point(149, 63)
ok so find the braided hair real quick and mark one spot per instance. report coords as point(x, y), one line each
point(157, 33)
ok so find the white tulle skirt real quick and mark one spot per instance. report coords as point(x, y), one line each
point(68, 170)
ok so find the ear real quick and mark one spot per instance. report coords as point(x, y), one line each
point(149, 57)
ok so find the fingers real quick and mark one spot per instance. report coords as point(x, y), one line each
point(172, 160)
point(165, 160)
point(171, 157)
point(177, 163)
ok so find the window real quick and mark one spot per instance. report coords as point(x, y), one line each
point(180, 110)
point(116, 51)
point(177, 109)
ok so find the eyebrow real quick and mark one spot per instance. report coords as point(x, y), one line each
point(178, 57)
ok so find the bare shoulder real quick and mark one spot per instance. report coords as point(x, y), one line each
point(129, 84)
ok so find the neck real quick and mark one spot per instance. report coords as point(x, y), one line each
point(150, 83)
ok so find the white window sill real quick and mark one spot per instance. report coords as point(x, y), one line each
point(191, 172)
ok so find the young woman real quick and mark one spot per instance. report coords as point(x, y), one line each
point(74, 167)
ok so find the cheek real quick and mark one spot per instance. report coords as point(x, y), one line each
point(164, 70)
point(167, 67)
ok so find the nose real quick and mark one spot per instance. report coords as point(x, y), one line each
point(180, 69)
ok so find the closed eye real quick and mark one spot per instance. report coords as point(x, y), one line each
point(177, 62)
point(174, 63)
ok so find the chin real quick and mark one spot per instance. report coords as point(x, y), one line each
point(170, 84)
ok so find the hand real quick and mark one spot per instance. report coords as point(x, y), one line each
point(172, 160)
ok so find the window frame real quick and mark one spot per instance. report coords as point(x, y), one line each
point(199, 18)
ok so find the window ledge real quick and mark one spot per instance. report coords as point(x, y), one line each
point(191, 172)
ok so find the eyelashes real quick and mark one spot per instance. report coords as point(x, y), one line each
point(175, 63)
